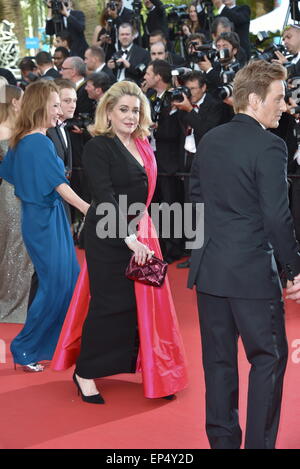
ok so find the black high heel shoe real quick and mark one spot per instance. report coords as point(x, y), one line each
point(95, 399)
point(170, 397)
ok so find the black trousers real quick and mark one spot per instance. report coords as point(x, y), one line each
point(260, 323)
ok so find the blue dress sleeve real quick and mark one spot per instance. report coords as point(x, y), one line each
point(37, 170)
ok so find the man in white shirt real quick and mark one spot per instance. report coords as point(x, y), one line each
point(94, 59)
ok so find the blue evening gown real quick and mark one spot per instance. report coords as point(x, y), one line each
point(34, 169)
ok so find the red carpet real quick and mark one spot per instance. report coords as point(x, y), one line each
point(43, 411)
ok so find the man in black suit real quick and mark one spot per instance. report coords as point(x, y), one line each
point(94, 59)
point(45, 65)
point(165, 140)
point(240, 16)
point(60, 135)
point(156, 18)
point(71, 20)
point(239, 174)
point(287, 127)
point(197, 114)
point(132, 60)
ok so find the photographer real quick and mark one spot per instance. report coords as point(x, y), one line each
point(240, 17)
point(291, 40)
point(165, 140)
point(62, 17)
point(198, 113)
point(131, 60)
point(156, 19)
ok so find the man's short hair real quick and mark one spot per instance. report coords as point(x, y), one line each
point(63, 50)
point(126, 25)
point(65, 36)
point(231, 37)
point(256, 77)
point(43, 58)
point(27, 64)
point(100, 80)
point(78, 65)
point(195, 37)
point(157, 32)
point(62, 84)
point(225, 22)
point(162, 68)
point(193, 76)
point(98, 52)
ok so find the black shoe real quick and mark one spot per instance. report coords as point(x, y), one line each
point(95, 399)
point(170, 397)
point(184, 265)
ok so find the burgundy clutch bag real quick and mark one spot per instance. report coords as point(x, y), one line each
point(153, 272)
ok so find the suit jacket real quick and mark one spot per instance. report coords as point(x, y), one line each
point(208, 116)
point(110, 73)
point(76, 27)
point(240, 17)
point(239, 173)
point(63, 151)
point(53, 73)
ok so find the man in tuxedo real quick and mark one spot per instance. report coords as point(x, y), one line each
point(239, 174)
point(132, 60)
point(197, 114)
point(240, 16)
point(74, 69)
point(71, 20)
point(165, 140)
point(291, 40)
point(60, 135)
point(158, 51)
point(45, 66)
point(94, 59)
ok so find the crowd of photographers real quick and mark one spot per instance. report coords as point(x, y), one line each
point(184, 60)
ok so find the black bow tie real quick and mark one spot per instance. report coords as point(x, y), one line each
point(125, 51)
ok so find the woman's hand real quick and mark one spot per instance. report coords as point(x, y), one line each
point(141, 252)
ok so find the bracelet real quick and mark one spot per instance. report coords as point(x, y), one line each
point(129, 238)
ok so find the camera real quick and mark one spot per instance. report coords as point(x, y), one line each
point(112, 6)
point(206, 51)
point(228, 75)
point(178, 14)
point(140, 70)
point(177, 94)
point(57, 5)
point(82, 120)
point(225, 91)
point(116, 56)
point(268, 54)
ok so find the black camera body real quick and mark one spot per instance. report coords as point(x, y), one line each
point(268, 54)
point(178, 14)
point(116, 56)
point(57, 5)
point(176, 94)
point(206, 51)
point(82, 120)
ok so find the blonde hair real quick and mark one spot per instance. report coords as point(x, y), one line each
point(7, 94)
point(109, 101)
point(256, 77)
point(33, 113)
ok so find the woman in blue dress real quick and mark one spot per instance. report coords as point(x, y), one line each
point(37, 174)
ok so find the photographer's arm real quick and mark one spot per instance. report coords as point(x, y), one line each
point(77, 21)
point(237, 16)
